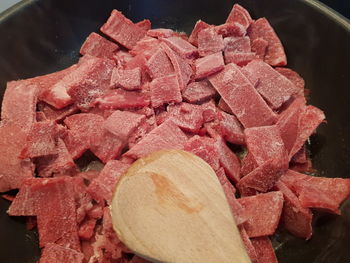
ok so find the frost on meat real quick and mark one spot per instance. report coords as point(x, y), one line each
point(98, 46)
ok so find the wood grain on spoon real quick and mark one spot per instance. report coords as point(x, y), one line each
point(170, 207)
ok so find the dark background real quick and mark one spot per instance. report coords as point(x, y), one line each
point(342, 6)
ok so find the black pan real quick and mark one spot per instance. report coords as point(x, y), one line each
point(39, 37)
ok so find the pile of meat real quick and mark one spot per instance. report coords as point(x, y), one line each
point(137, 90)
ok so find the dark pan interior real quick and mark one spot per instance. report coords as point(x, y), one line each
point(39, 37)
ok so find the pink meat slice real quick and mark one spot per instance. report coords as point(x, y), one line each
point(239, 15)
point(54, 253)
point(41, 140)
point(89, 81)
point(275, 55)
point(239, 58)
point(199, 26)
point(274, 87)
point(144, 24)
point(264, 250)
point(122, 30)
point(198, 91)
point(97, 46)
point(301, 156)
point(209, 42)
point(248, 244)
point(102, 187)
point(128, 79)
point(231, 29)
point(166, 136)
point(121, 57)
point(240, 95)
point(181, 46)
point(259, 46)
point(146, 47)
point(264, 177)
point(264, 212)
point(59, 164)
point(288, 122)
point(19, 104)
point(137, 63)
point(13, 170)
point(188, 117)
point(208, 65)
point(248, 164)
point(165, 90)
point(181, 66)
point(205, 148)
point(296, 219)
point(160, 32)
point(309, 120)
point(230, 128)
point(293, 76)
point(75, 144)
point(237, 44)
point(265, 143)
point(123, 123)
point(159, 65)
point(229, 161)
point(54, 114)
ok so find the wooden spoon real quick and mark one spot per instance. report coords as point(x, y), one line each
point(170, 207)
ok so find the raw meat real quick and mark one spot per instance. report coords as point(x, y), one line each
point(165, 90)
point(198, 91)
point(128, 79)
point(181, 46)
point(208, 65)
point(122, 30)
point(209, 42)
point(97, 46)
point(199, 26)
point(53, 253)
point(244, 101)
point(264, 250)
point(239, 15)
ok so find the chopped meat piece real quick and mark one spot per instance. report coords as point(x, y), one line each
point(159, 65)
point(97, 46)
point(13, 170)
point(121, 57)
point(293, 76)
point(208, 65)
point(89, 81)
point(181, 46)
point(264, 177)
point(58, 164)
point(274, 87)
point(41, 140)
point(123, 123)
point(102, 187)
point(237, 44)
point(122, 99)
point(137, 63)
point(188, 117)
point(160, 32)
point(122, 30)
point(230, 128)
point(229, 161)
point(209, 42)
point(297, 219)
point(244, 101)
point(198, 91)
point(86, 229)
point(166, 136)
point(19, 104)
point(259, 46)
point(264, 250)
point(223, 106)
point(231, 29)
point(54, 114)
point(199, 26)
point(54, 253)
point(146, 47)
point(288, 122)
point(182, 68)
point(275, 55)
point(165, 90)
point(205, 148)
point(248, 245)
point(128, 79)
point(239, 58)
point(301, 156)
point(142, 130)
point(144, 24)
point(309, 120)
point(75, 144)
point(264, 143)
point(264, 212)
point(239, 15)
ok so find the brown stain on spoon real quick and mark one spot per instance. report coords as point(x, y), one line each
point(168, 193)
